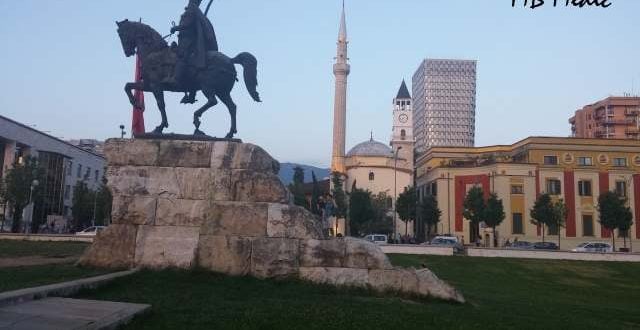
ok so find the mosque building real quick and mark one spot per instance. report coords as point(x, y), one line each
point(372, 165)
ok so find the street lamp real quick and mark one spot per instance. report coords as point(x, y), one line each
point(122, 132)
point(395, 191)
point(34, 184)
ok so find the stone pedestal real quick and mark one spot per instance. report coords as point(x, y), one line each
point(219, 205)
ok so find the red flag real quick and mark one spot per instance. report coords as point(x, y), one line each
point(137, 123)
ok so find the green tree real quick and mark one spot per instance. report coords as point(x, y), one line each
point(494, 215)
point(474, 209)
point(103, 205)
point(614, 213)
point(382, 221)
point(18, 188)
point(340, 199)
point(361, 210)
point(297, 188)
point(315, 195)
point(82, 208)
point(3, 202)
point(543, 212)
point(626, 221)
point(430, 213)
point(559, 216)
point(406, 207)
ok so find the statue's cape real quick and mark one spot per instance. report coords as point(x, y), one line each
point(206, 38)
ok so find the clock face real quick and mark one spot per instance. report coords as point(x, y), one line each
point(403, 118)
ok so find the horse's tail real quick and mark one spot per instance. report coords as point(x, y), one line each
point(250, 66)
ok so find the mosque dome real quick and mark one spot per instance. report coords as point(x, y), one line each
point(371, 148)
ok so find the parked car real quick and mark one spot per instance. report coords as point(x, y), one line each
point(595, 247)
point(520, 245)
point(377, 238)
point(545, 246)
point(448, 241)
point(91, 231)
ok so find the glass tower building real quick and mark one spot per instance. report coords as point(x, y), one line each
point(444, 104)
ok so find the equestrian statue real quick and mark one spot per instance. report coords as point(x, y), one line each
point(193, 64)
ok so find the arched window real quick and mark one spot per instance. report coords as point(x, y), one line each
point(403, 134)
point(372, 176)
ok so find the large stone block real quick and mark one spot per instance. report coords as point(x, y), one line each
point(336, 276)
point(252, 186)
point(364, 254)
point(430, 285)
point(113, 248)
point(275, 257)
point(125, 152)
point(221, 186)
point(175, 182)
point(166, 247)
point(174, 153)
point(229, 255)
point(236, 219)
point(133, 210)
point(322, 253)
point(181, 212)
point(397, 280)
point(244, 156)
point(292, 222)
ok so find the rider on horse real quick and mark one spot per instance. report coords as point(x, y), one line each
point(195, 39)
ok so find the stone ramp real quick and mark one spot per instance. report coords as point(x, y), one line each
point(67, 314)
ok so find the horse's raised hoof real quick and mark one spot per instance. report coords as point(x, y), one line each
point(198, 132)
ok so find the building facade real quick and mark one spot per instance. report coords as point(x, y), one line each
point(444, 104)
point(64, 165)
point(611, 118)
point(575, 170)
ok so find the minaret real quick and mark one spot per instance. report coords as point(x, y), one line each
point(341, 70)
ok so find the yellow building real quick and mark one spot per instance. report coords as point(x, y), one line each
point(576, 170)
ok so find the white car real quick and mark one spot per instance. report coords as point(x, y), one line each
point(594, 247)
point(91, 231)
point(377, 238)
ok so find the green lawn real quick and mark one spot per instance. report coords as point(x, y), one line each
point(15, 249)
point(502, 294)
point(25, 277)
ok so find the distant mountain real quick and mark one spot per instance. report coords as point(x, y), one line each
point(286, 172)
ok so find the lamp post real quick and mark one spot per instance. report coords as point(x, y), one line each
point(122, 132)
point(395, 192)
point(34, 184)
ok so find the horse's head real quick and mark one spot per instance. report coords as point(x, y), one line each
point(127, 37)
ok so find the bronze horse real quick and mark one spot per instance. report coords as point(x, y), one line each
point(158, 61)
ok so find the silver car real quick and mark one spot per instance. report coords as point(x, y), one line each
point(594, 247)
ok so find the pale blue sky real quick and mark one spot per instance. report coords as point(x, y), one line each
point(62, 67)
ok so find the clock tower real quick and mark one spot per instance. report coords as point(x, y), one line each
point(403, 124)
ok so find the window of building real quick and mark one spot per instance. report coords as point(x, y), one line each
point(79, 170)
point(517, 189)
point(518, 225)
point(96, 176)
point(551, 160)
point(372, 176)
point(69, 168)
point(87, 173)
point(554, 187)
point(434, 188)
point(584, 188)
point(587, 225)
point(403, 134)
point(621, 188)
point(620, 162)
point(585, 161)
point(67, 192)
